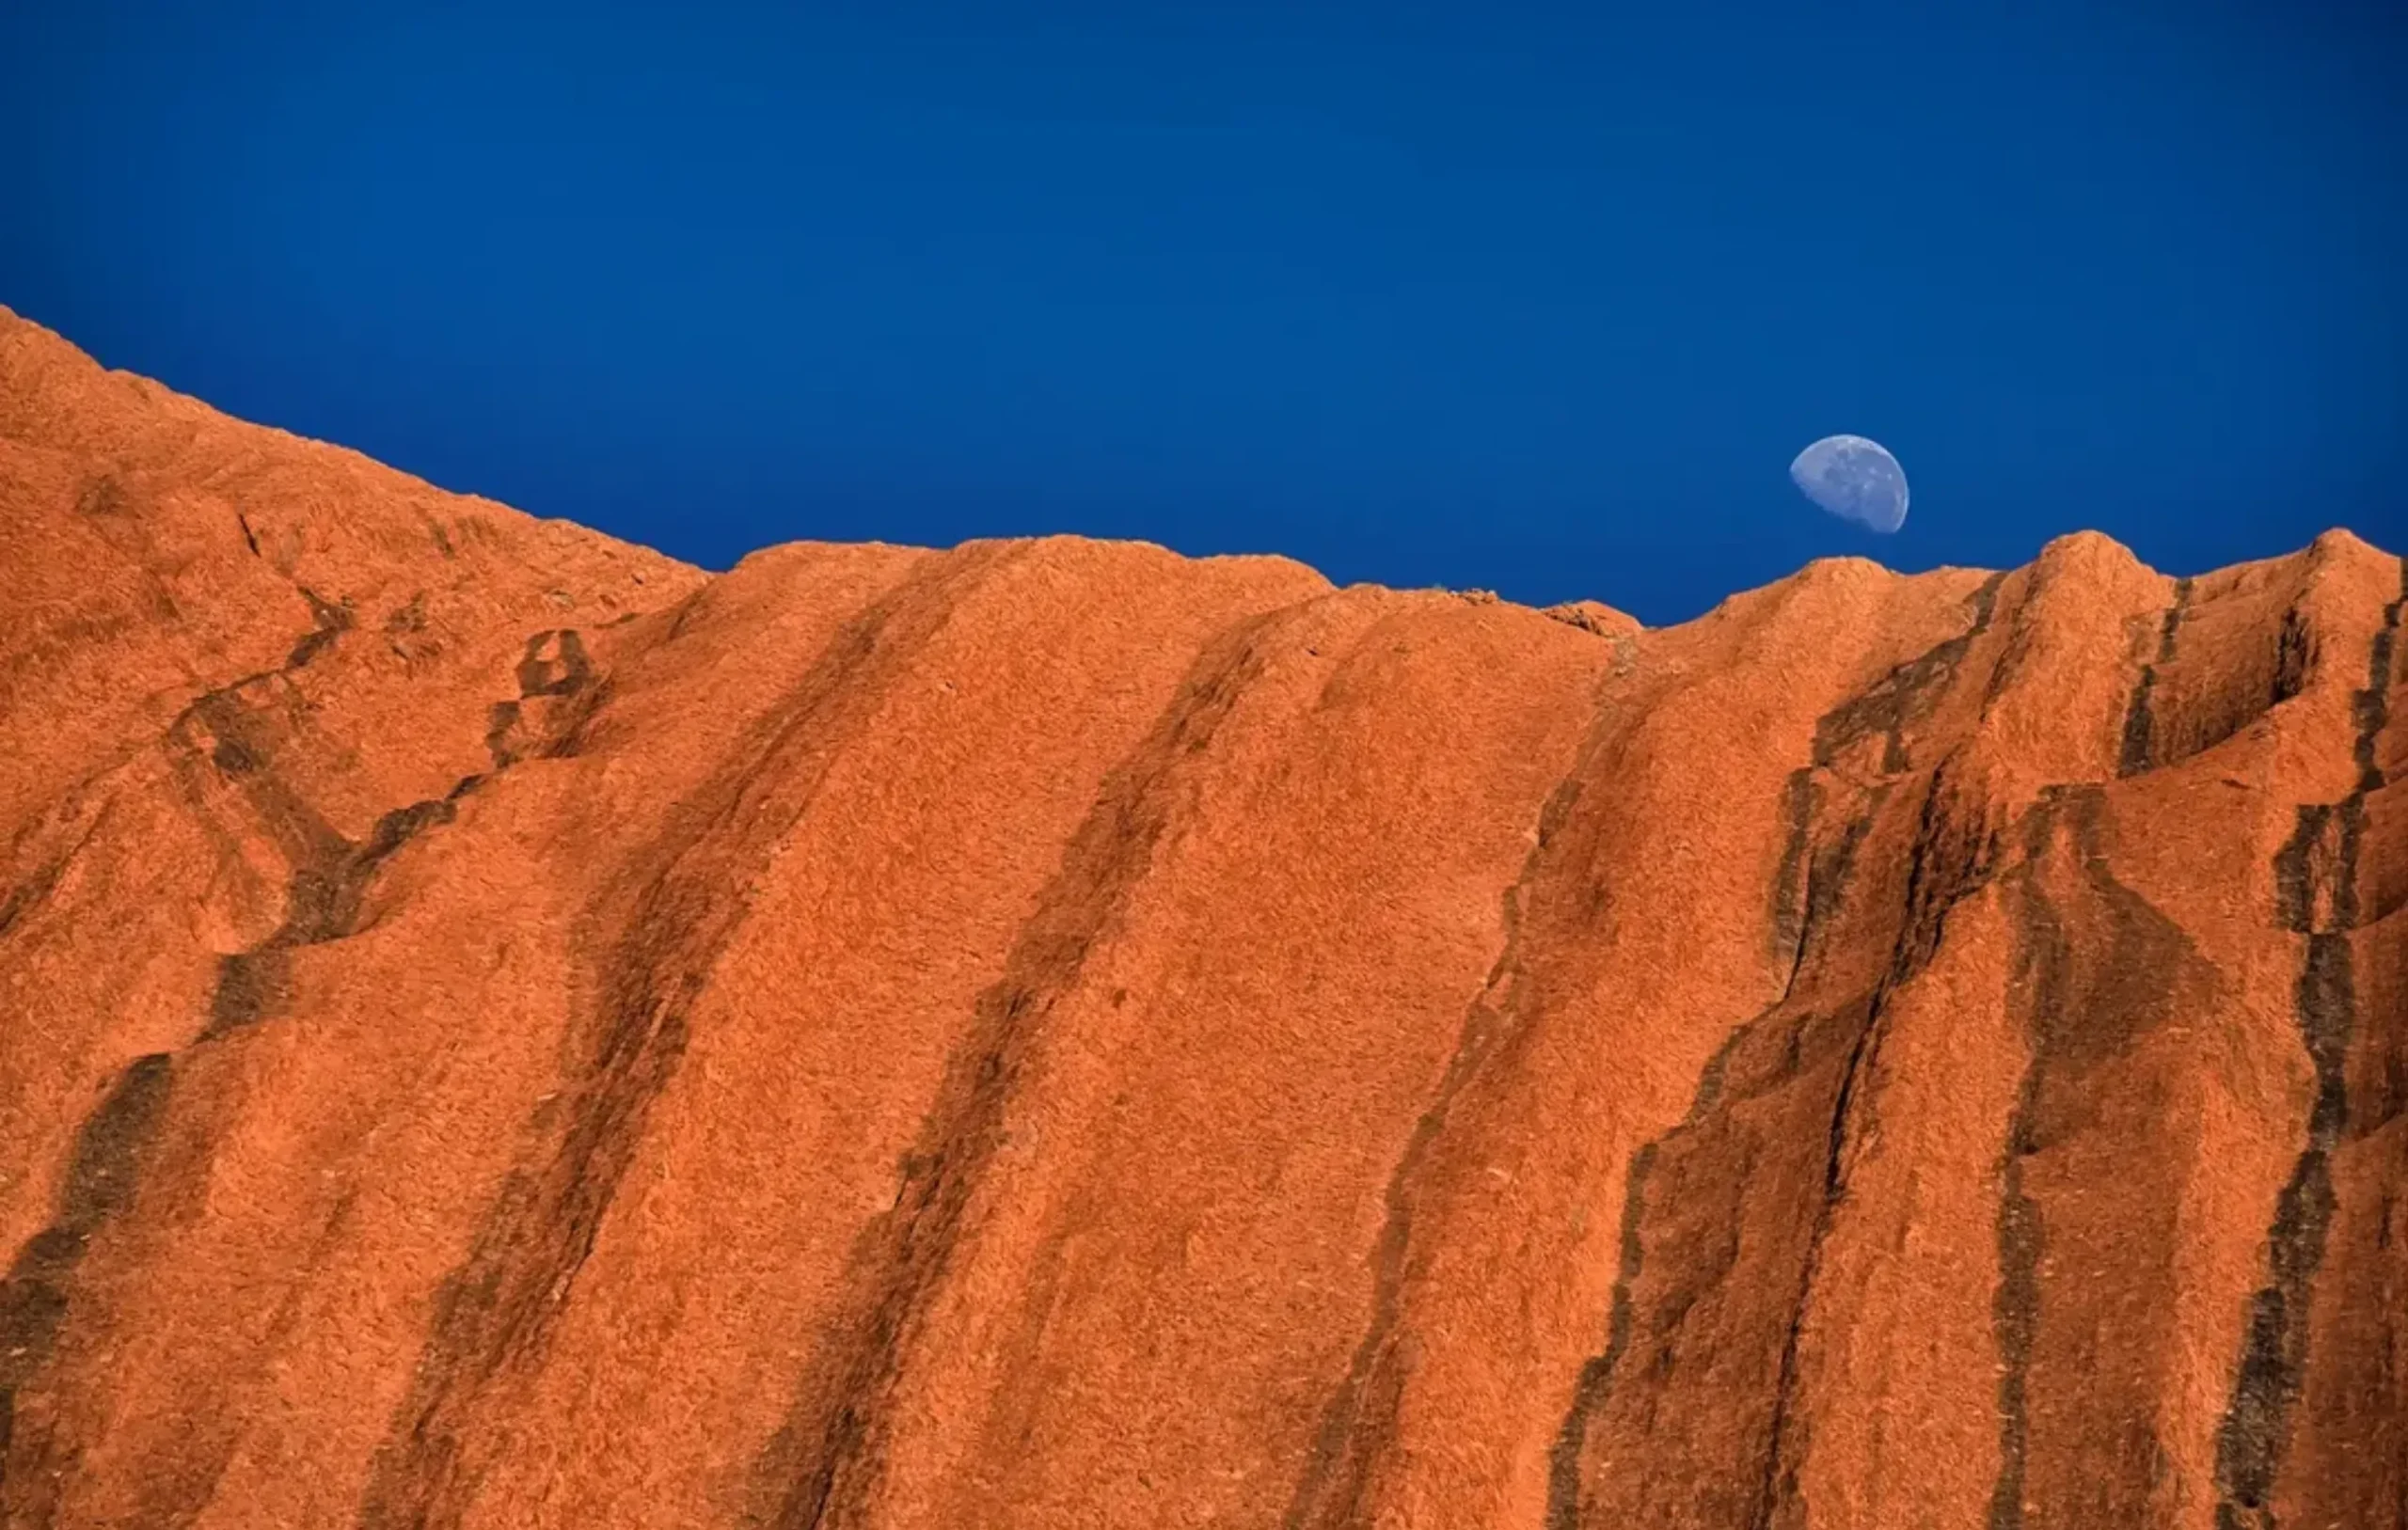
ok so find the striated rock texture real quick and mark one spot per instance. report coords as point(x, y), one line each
point(498, 1028)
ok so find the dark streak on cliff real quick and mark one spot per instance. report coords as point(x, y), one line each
point(332, 621)
point(2042, 970)
point(1790, 882)
point(2294, 656)
point(329, 877)
point(2140, 722)
point(98, 1188)
point(102, 1167)
point(1949, 861)
point(2077, 1019)
point(565, 673)
point(1597, 1373)
point(823, 1466)
point(1812, 908)
point(496, 1312)
point(2316, 897)
point(1358, 1422)
point(1906, 695)
point(322, 904)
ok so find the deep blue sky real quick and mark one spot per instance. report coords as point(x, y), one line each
point(1539, 299)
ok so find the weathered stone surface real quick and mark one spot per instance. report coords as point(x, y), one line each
point(504, 1029)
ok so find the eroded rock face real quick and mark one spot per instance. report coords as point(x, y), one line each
point(504, 1029)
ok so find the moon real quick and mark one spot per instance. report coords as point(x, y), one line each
point(1855, 480)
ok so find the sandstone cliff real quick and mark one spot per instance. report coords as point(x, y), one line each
point(504, 1029)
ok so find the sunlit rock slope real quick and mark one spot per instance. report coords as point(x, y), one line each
point(498, 1028)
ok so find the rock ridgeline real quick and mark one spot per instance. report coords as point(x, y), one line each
point(505, 1028)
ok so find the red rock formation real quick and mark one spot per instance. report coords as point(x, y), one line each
point(504, 1029)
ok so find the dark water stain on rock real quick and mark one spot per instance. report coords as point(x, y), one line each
point(2316, 884)
point(100, 1185)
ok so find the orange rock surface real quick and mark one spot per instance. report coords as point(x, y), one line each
point(504, 1029)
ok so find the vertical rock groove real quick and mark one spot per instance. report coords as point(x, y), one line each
point(1948, 862)
point(1358, 1421)
point(1827, 879)
point(2041, 968)
point(2078, 1017)
point(1950, 858)
point(2315, 894)
point(823, 1466)
point(104, 1165)
point(329, 878)
point(98, 1188)
point(1596, 1374)
point(1798, 914)
point(2140, 722)
point(1905, 695)
point(1792, 881)
point(494, 1313)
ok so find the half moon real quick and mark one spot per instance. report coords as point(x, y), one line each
point(1855, 480)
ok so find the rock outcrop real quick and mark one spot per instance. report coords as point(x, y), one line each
point(504, 1029)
